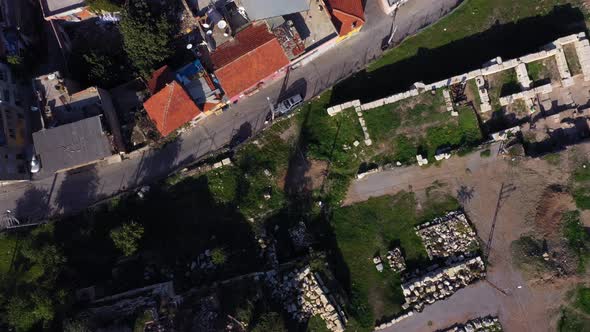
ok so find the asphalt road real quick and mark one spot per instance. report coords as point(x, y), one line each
point(71, 192)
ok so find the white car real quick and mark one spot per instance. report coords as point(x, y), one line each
point(288, 104)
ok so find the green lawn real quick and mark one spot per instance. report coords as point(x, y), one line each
point(373, 227)
point(470, 18)
point(7, 247)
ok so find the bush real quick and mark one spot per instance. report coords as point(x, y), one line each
point(317, 324)
point(126, 238)
point(103, 5)
point(218, 256)
point(360, 308)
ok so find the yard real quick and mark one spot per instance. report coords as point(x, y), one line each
point(420, 124)
point(543, 71)
point(373, 227)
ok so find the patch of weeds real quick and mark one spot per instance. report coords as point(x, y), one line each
point(485, 153)
point(552, 158)
point(383, 120)
point(582, 300)
point(571, 321)
point(576, 236)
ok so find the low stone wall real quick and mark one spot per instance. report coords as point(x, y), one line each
point(492, 67)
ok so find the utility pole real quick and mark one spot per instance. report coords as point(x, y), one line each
point(272, 109)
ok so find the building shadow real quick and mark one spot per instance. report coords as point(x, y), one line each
point(77, 189)
point(510, 40)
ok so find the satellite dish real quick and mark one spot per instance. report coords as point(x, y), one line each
point(189, 46)
point(209, 32)
point(206, 25)
point(51, 76)
point(222, 24)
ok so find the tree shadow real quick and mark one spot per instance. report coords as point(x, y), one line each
point(241, 135)
point(156, 163)
point(510, 40)
point(33, 205)
point(465, 194)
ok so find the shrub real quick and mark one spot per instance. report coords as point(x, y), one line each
point(126, 238)
point(583, 299)
point(218, 256)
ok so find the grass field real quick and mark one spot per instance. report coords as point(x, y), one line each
point(420, 124)
point(373, 227)
point(470, 18)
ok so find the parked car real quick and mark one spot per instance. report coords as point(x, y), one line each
point(288, 104)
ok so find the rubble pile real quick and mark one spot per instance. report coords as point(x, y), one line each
point(448, 235)
point(396, 260)
point(482, 324)
point(442, 283)
point(299, 236)
point(304, 295)
point(378, 263)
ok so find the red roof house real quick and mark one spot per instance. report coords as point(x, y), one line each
point(347, 15)
point(160, 78)
point(170, 108)
point(250, 58)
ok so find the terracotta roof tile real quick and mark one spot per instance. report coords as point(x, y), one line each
point(159, 79)
point(253, 55)
point(170, 108)
point(345, 13)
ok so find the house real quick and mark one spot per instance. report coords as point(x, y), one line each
point(171, 107)
point(14, 132)
point(254, 57)
point(390, 6)
point(71, 145)
point(348, 16)
point(65, 10)
point(62, 104)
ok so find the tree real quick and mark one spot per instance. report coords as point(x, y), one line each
point(145, 37)
point(101, 69)
point(26, 312)
point(126, 238)
point(103, 5)
point(270, 322)
point(218, 256)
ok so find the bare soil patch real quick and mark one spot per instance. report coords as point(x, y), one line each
point(554, 202)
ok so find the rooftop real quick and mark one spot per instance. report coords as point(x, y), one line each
point(72, 144)
point(315, 26)
point(253, 55)
point(170, 108)
point(346, 14)
point(56, 7)
point(261, 9)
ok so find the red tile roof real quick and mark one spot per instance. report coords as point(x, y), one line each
point(253, 55)
point(170, 108)
point(346, 13)
point(159, 79)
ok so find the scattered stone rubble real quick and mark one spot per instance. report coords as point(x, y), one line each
point(304, 295)
point(378, 263)
point(396, 260)
point(421, 160)
point(481, 324)
point(448, 235)
point(299, 236)
point(441, 283)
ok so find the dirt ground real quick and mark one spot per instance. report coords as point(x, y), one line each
point(528, 204)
